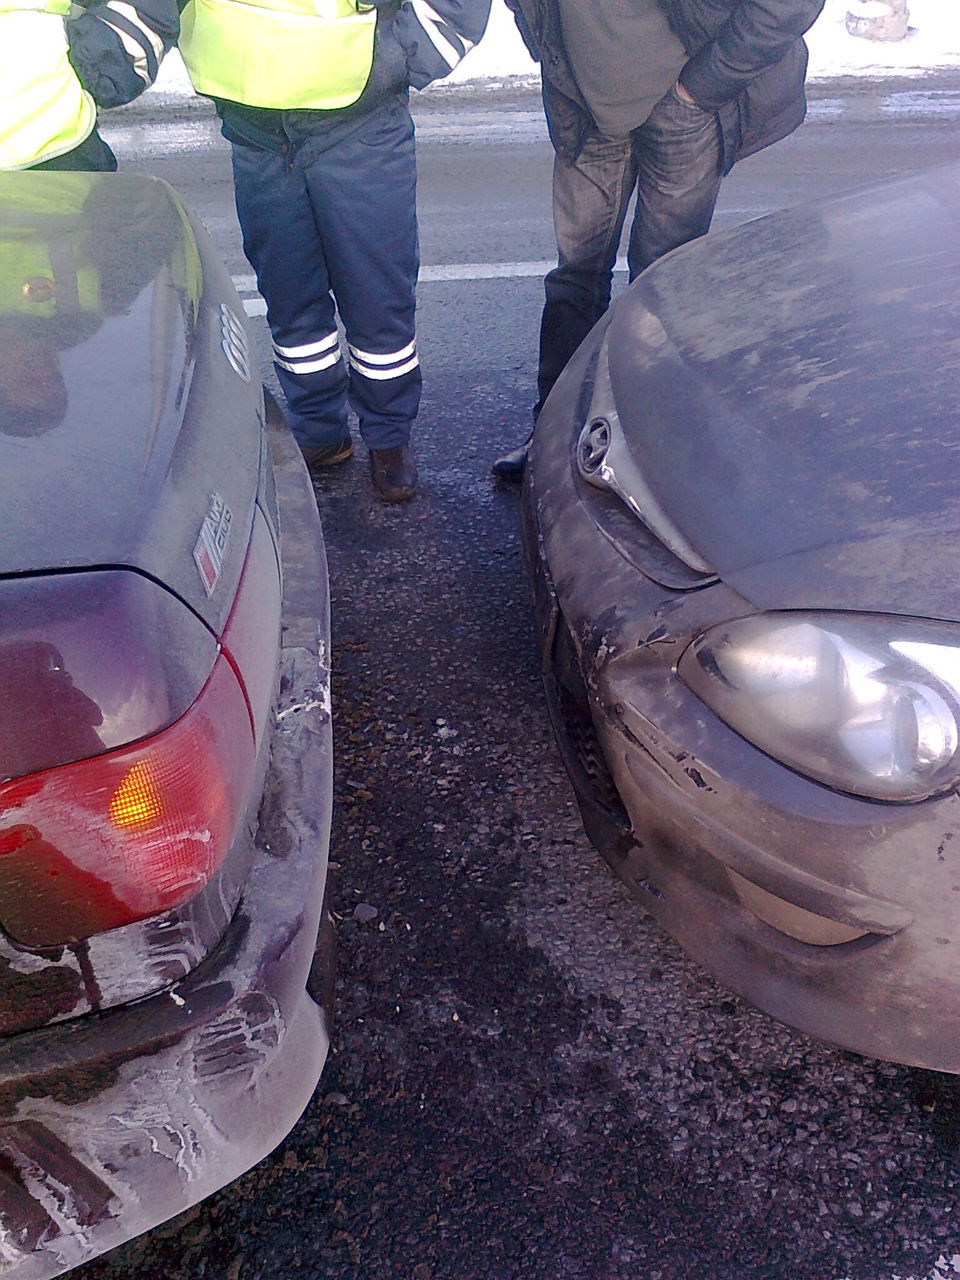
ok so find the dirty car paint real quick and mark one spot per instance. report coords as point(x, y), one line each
point(835, 913)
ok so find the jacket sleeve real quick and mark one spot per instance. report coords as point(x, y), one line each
point(526, 34)
point(757, 34)
point(436, 34)
point(116, 47)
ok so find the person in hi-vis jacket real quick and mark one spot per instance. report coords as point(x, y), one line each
point(313, 97)
point(61, 61)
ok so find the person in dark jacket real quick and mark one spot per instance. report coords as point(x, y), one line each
point(657, 97)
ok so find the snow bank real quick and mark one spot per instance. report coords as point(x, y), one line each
point(933, 41)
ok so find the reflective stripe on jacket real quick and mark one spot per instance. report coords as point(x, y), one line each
point(46, 111)
point(287, 54)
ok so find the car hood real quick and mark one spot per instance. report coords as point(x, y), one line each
point(789, 391)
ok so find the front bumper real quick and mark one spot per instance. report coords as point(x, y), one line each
point(836, 915)
point(112, 1123)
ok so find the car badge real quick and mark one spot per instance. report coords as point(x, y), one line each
point(208, 553)
point(234, 342)
point(592, 448)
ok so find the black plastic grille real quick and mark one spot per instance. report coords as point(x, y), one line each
point(577, 733)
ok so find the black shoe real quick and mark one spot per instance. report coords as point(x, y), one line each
point(511, 465)
point(394, 473)
point(327, 455)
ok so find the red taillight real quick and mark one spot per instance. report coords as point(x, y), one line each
point(129, 834)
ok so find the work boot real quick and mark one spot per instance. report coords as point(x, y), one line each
point(394, 473)
point(327, 455)
point(511, 465)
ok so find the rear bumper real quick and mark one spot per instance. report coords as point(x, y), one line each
point(726, 848)
point(114, 1123)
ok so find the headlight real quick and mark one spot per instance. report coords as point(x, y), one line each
point(865, 704)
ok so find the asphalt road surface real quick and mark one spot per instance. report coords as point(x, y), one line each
point(530, 1082)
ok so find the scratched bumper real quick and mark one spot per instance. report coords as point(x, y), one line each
point(113, 1123)
point(838, 916)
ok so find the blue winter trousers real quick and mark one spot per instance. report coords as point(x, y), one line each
point(329, 225)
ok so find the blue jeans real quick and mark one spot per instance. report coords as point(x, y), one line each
point(673, 161)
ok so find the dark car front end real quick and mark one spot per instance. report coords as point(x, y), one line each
point(751, 467)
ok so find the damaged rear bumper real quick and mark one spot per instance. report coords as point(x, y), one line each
point(114, 1122)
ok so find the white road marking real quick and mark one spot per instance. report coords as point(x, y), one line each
point(486, 271)
point(923, 104)
point(254, 305)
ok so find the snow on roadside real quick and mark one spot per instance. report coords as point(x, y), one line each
point(933, 41)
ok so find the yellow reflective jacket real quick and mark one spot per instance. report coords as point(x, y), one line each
point(286, 54)
point(46, 111)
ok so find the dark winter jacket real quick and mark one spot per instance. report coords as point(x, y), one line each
point(747, 62)
point(116, 47)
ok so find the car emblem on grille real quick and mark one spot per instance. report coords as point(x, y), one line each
point(593, 447)
point(208, 552)
point(234, 342)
